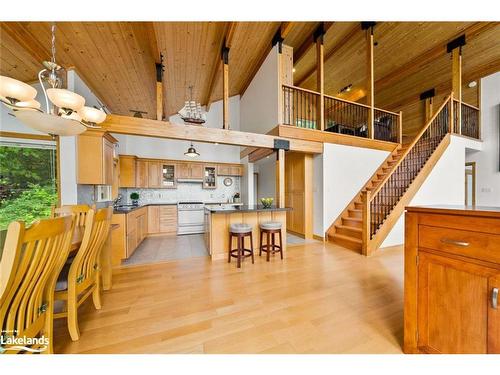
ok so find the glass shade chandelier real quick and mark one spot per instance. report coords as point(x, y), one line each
point(65, 111)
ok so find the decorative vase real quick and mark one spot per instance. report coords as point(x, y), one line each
point(267, 202)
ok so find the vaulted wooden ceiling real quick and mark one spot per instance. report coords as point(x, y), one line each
point(117, 59)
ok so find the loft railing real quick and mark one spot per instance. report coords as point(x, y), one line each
point(466, 119)
point(345, 117)
point(302, 108)
point(379, 203)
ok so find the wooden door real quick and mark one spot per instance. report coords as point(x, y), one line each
point(154, 174)
point(107, 162)
point(153, 219)
point(141, 174)
point(494, 315)
point(453, 299)
point(196, 171)
point(183, 170)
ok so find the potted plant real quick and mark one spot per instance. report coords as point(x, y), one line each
point(135, 198)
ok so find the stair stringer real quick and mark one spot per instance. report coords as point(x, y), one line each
point(405, 200)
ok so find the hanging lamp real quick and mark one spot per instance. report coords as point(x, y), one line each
point(191, 152)
point(65, 112)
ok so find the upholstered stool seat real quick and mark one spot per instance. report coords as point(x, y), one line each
point(240, 231)
point(272, 225)
point(270, 229)
point(240, 228)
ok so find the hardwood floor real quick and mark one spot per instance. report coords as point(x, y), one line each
point(320, 299)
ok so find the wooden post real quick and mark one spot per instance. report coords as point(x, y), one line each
point(400, 128)
point(370, 92)
point(280, 178)
point(366, 215)
point(479, 106)
point(450, 114)
point(456, 86)
point(159, 91)
point(225, 87)
point(320, 77)
point(428, 109)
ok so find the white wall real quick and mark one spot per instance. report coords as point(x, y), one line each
point(266, 186)
point(161, 148)
point(259, 104)
point(247, 183)
point(345, 170)
point(487, 161)
point(445, 185)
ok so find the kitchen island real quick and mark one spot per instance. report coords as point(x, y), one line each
point(219, 219)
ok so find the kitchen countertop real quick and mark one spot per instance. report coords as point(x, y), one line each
point(133, 208)
point(245, 208)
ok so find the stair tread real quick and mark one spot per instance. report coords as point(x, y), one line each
point(356, 229)
point(352, 218)
point(346, 238)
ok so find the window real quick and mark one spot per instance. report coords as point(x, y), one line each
point(28, 180)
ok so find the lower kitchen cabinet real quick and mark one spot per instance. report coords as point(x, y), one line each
point(168, 219)
point(131, 232)
point(153, 219)
point(452, 281)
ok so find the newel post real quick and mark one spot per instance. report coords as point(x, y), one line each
point(400, 128)
point(366, 215)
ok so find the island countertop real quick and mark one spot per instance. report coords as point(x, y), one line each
point(245, 208)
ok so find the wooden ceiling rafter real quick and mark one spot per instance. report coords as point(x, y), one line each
point(226, 40)
point(309, 42)
point(345, 39)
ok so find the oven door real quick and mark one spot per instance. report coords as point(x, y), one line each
point(191, 221)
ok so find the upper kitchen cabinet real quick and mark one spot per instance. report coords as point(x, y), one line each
point(141, 173)
point(153, 174)
point(96, 150)
point(167, 175)
point(210, 177)
point(230, 170)
point(188, 170)
point(127, 171)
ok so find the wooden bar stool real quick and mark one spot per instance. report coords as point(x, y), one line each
point(240, 231)
point(270, 229)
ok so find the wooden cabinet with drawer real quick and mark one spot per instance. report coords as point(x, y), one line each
point(452, 280)
point(168, 219)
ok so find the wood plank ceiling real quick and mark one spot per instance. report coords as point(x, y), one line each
point(116, 59)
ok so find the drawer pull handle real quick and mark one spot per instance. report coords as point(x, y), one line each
point(453, 242)
point(494, 298)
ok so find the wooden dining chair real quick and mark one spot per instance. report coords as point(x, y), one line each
point(31, 259)
point(80, 211)
point(82, 277)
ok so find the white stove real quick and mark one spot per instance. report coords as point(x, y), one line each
point(190, 217)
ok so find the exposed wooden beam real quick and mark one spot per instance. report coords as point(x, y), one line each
point(162, 129)
point(225, 87)
point(283, 31)
point(280, 178)
point(347, 37)
point(259, 154)
point(320, 79)
point(456, 85)
point(430, 55)
point(370, 92)
point(308, 43)
point(226, 40)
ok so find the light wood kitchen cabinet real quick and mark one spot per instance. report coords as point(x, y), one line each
point(153, 219)
point(189, 170)
point(209, 177)
point(127, 171)
point(131, 232)
point(141, 174)
point(168, 173)
point(154, 174)
point(168, 219)
point(230, 170)
point(95, 150)
point(452, 278)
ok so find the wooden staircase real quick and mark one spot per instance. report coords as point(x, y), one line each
point(372, 213)
point(347, 229)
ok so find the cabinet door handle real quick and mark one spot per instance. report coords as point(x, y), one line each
point(494, 298)
point(454, 242)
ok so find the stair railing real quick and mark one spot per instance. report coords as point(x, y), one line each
point(379, 203)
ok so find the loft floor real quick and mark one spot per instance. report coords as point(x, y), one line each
point(321, 299)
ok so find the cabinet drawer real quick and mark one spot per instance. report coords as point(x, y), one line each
point(483, 246)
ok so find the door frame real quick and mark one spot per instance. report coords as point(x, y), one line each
point(473, 173)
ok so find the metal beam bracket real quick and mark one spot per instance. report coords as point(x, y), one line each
point(281, 144)
point(278, 39)
point(224, 54)
point(456, 43)
point(319, 32)
point(160, 68)
point(428, 94)
point(368, 25)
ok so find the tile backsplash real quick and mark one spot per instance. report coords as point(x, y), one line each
point(185, 192)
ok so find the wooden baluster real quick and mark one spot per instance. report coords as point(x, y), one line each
point(366, 234)
point(400, 127)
